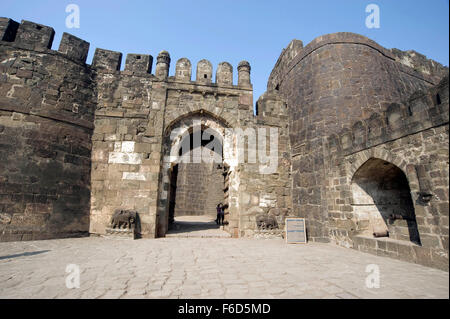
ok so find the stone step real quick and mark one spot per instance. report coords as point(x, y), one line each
point(196, 227)
point(199, 235)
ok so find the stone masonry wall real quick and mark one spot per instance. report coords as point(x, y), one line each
point(413, 136)
point(329, 84)
point(217, 106)
point(199, 189)
point(266, 195)
point(79, 141)
point(126, 146)
point(136, 114)
point(47, 102)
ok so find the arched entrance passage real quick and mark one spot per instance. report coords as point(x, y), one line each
point(197, 184)
point(193, 174)
point(382, 201)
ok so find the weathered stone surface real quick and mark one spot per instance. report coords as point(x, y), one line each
point(74, 47)
point(45, 139)
point(361, 135)
point(192, 268)
point(352, 101)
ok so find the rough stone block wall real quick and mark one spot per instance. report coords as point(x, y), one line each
point(216, 106)
point(413, 136)
point(264, 195)
point(328, 85)
point(135, 117)
point(199, 189)
point(45, 138)
point(126, 149)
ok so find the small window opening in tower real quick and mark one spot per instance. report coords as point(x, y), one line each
point(277, 88)
point(438, 99)
point(38, 27)
point(205, 76)
point(138, 57)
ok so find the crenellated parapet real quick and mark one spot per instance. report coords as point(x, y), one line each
point(422, 111)
point(106, 60)
point(37, 37)
point(204, 72)
point(224, 74)
point(271, 109)
point(73, 47)
point(47, 104)
point(8, 29)
point(183, 70)
point(138, 63)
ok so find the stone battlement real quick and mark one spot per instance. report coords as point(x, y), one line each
point(37, 37)
point(107, 61)
point(423, 110)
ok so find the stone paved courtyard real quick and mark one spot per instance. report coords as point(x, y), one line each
point(206, 268)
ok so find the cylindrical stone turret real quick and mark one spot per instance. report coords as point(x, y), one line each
point(244, 73)
point(162, 65)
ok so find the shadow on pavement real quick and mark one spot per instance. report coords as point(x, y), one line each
point(24, 254)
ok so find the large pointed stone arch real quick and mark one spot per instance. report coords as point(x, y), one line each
point(175, 131)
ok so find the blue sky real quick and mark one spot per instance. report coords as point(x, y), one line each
point(235, 30)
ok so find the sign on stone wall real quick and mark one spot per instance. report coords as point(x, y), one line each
point(295, 231)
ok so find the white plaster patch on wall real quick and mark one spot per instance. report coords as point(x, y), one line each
point(128, 147)
point(141, 194)
point(267, 201)
point(111, 137)
point(407, 61)
point(235, 181)
point(245, 198)
point(124, 158)
point(134, 176)
point(359, 215)
point(98, 155)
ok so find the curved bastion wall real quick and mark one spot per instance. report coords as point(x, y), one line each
point(328, 85)
point(47, 103)
point(358, 109)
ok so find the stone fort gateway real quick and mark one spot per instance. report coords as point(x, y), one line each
point(361, 140)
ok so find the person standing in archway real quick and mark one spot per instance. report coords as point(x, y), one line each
point(220, 214)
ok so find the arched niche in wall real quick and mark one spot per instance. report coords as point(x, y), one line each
point(382, 201)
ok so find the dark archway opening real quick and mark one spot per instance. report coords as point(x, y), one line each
point(196, 186)
point(382, 200)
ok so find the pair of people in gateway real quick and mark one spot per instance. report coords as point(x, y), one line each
point(220, 214)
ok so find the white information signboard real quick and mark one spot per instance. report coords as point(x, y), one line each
point(295, 230)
